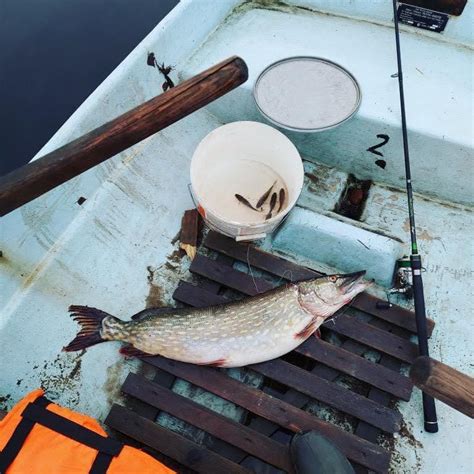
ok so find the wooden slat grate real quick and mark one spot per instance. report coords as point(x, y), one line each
point(310, 373)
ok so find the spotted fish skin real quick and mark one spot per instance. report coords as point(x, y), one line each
point(240, 333)
point(234, 334)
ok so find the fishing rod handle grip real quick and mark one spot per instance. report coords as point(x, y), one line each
point(429, 407)
point(429, 413)
point(419, 300)
point(53, 169)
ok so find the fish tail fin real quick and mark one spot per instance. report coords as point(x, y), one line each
point(90, 320)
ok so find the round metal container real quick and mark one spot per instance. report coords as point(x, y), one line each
point(307, 94)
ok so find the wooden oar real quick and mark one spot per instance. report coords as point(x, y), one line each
point(444, 383)
point(45, 173)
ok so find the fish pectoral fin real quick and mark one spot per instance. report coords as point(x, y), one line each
point(317, 333)
point(130, 351)
point(214, 363)
point(309, 329)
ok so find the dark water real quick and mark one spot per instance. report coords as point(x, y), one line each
point(53, 54)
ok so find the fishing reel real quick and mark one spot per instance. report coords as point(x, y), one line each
point(402, 283)
point(402, 278)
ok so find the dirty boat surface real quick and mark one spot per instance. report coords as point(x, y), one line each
point(108, 238)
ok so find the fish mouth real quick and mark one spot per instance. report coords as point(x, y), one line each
point(349, 281)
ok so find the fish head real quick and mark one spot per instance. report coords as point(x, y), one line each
point(323, 296)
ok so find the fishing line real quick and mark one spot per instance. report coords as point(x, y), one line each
point(290, 274)
point(340, 312)
point(250, 268)
point(283, 277)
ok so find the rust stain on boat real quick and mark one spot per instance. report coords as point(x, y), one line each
point(62, 375)
point(113, 382)
point(408, 435)
point(323, 182)
point(422, 234)
point(155, 293)
point(176, 256)
point(313, 178)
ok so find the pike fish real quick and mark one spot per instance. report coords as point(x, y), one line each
point(236, 334)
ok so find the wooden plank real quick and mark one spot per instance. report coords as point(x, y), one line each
point(287, 416)
point(169, 443)
point(51, 170)
point(214, 423)
point(229, 277)
point(371, 336)
point(251, 255)
point(331, 394)
point(395, 314)
point(364, 430)
point(214, 286)
point(298, 399)
point(290, 271)
point(356, 366)
point(196, 296)
point(188, 236)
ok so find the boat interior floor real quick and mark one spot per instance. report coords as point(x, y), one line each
point(108, 238)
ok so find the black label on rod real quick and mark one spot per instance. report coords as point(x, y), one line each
point(422, 18)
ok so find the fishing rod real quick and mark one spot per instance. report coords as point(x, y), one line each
point(429, 408)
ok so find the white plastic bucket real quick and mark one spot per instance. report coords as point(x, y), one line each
point(245, 158)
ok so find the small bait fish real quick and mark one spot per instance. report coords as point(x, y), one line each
point(264, 197)
point(273, 201)
point(245, 202)
point(282, 199)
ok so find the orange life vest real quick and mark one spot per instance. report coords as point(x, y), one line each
point(39, 437)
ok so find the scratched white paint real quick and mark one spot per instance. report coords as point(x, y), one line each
point(57, 252)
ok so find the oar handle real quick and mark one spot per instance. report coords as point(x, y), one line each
point(36, 178)
point(444, 383)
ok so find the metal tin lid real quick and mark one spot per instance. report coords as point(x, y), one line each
point(306, 94)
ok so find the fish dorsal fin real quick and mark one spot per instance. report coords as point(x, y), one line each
point(151, 312)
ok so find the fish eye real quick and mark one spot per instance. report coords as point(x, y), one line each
point(333, 278)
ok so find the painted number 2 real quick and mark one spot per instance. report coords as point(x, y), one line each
point(373, 149)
